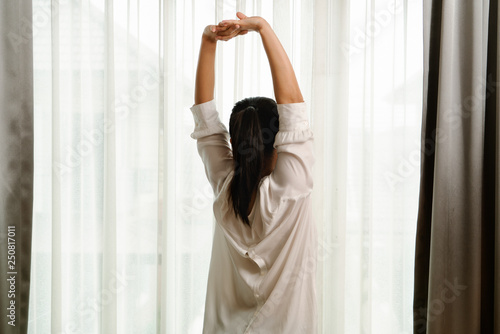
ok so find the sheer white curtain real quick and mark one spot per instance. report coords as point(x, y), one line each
point(122, 214)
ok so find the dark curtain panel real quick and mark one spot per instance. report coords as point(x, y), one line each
point(16, 162)
point(456, 258)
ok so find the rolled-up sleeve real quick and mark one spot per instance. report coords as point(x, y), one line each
point(206, 120)
point(294, 143)
point(213, 143)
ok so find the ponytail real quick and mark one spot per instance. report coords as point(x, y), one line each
point(248, 155)
point(253, 126)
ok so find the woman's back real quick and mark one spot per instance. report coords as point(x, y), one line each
point(261, 276)
point(262, 272)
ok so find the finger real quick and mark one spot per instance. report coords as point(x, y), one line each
point(229, 31)
point(227, 37)
point(220, 28)
point(226, 25)
point(243, 32)
point(223, 38)
point(235, 29)
point(230, 22)
point(235, 32)
point(241, 16)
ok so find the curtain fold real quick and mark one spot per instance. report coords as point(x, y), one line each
point(16, 163)
point(330, 87)
point(457, 232)
point(109, 229)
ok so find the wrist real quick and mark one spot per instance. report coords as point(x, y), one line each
point(263, 26)
point(208, 35)
point(208, 40)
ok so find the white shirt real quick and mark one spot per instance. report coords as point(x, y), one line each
point(261, 278)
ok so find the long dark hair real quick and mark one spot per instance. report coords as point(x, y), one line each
point(253, 126)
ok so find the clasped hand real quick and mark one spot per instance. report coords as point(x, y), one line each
point(228, 29)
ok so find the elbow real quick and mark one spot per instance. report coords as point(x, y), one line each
point(289, 96)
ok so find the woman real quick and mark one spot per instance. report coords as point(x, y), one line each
point(262, 272)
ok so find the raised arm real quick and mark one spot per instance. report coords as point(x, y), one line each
point(292, 176)
point(211, 135)
point(286, 87)
point(205, 76)
point(205, 73)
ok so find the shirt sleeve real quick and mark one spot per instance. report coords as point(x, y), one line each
point(213, 143)
point(292, 176)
